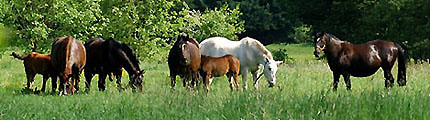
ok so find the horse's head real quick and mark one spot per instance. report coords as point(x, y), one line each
point(183, 49)
point(270, 69)
point(137, 78)
point(320, 42)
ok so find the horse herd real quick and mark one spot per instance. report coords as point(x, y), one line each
point(198, 63)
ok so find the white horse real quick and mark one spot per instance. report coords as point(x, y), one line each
point(250, 52)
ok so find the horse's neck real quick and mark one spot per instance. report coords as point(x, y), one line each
point(128, 64)
point(258, 55)
point(334, 46)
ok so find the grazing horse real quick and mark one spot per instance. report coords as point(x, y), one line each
point(35, 63)
point(109, 57)
point(361, 60)
point(249, 51)
point(68, 58)
point(184, 60)
point(219, 66)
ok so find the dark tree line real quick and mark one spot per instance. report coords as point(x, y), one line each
point(357, 21)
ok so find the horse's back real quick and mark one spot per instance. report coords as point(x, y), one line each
point(94, 51)
point(39, 63)
point(68, 52)
point(78, 54)
point(218, 46)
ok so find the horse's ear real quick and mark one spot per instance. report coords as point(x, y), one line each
point(279, 62)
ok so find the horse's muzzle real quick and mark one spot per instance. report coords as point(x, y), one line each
point(271, 85)
point(317, 54)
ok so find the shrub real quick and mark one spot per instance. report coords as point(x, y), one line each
point(149, 27)
point(282, 55)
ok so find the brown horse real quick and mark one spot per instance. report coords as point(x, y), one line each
point(361, 60)
point(107, 57)
point(184, 60)
point(68, 58)
point(219, 66)
point(35, 63)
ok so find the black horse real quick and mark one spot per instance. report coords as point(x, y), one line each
point(361, 60)
point(184, 60)
point(110, 56)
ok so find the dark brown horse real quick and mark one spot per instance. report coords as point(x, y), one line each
point(184, 60)
point(361, 60)
point(109, 57)
point(68, 58)
point(219, 66)
point(35, 63)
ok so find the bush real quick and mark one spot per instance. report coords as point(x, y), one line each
point(223, 22)
point(302, 34)
point(282, 55)
point(149, 27)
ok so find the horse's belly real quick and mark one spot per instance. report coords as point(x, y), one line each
point(362, 72)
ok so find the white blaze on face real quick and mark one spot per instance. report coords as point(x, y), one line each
point(373, 55)
point(270, 70)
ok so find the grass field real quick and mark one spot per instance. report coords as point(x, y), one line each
point(303, 91)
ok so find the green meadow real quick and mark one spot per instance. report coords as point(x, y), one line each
point(303, 91)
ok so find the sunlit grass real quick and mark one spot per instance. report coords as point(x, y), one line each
point(303, 91)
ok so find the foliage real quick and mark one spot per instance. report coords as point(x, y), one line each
point(268, 21)
point(302, 34)
point(403, 21)
point(223, 22)
point(282, 55)
point(149, 27)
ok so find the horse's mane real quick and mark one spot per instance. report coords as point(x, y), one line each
point(130, 54)
point(252, 41)
point(194, 42)
point(332, 36)
point(126, 50)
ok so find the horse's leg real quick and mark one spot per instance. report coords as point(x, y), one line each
point(207, 82)
point(45, 78)
point(30, 79)
point(54, 83)
point(184, 80)
point(62, 87)
point(111, 76)
point(336, 77)
point(88, 77)
point(346, 78)
point(118, 79)
point(254, 77)
point(230, 77)
point(236, 80)
point(102, 81)
point(172, 81)
point(244, 77)
point(77, 79)
point(389, 79)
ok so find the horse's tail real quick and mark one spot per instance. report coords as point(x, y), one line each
point(17, 56)
point(401, 75)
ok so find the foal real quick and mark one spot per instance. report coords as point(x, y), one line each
point(36, 63)
point(219, 66)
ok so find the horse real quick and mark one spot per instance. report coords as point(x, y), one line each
point(108, 57)
point(35, 63)
point(184, 60)
point(361, 60)
point(219, 66)
point(251, 54)
point(68, 57)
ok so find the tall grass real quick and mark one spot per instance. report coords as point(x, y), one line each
point(303, 91)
